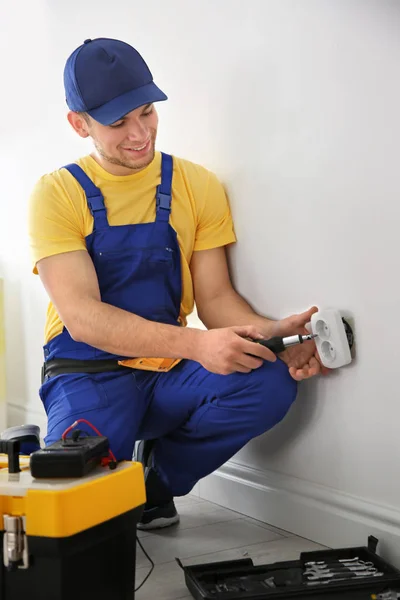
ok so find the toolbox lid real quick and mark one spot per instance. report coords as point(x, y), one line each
point(62, 507)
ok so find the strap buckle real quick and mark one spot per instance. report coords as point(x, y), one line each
point(96, 203)
point(163, 200)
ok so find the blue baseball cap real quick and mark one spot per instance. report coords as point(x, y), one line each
point(108, 79)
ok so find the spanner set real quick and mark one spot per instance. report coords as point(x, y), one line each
point(321, 572)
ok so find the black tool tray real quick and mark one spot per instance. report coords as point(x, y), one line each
point(242, 580)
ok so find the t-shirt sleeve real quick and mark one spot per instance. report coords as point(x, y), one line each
point(215, 225)
point(53, 223)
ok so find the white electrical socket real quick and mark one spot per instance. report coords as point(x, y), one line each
point(332, 343)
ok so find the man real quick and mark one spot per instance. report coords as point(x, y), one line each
point(124, 241)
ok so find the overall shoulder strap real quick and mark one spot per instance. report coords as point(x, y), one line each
point(94, 196)
point(164, 190)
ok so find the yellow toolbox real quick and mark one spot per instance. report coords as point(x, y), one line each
point(69, 538)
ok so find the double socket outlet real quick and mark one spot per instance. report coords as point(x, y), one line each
point(335, 338)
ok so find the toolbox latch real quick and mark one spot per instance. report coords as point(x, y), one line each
point(15, 543)
point(372, 543)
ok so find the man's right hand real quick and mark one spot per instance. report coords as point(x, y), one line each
point(225, 351)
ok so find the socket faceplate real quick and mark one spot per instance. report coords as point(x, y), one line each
point(332, 341)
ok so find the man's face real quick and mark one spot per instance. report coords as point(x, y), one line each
point(127, 145)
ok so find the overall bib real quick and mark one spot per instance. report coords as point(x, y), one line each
point(199, 419)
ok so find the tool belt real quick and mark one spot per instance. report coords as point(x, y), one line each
point(59, 366)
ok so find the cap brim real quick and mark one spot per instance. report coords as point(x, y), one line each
point(122, 105)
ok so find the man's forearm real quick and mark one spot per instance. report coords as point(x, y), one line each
point(231, 309)
point(120, 332)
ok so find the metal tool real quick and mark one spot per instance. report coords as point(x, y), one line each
point(280, 344)
point(325, 581)
point(343, 569)
point(343, 575)
point(340, 567)
point(356, 571)
point(355, 560)
point(352, 567)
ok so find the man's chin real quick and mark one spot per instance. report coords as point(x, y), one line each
point(138, 163)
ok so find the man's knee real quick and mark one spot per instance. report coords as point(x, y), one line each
point(273, 392)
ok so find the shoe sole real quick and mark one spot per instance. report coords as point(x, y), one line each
point(159, 523)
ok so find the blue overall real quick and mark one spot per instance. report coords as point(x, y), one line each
point(199, 419)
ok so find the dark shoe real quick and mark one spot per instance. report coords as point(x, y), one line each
point(159, 517)
point(159, 510)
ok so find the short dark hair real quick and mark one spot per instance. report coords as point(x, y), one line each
point(85, 115)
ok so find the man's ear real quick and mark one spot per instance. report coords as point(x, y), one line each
point(79, 123)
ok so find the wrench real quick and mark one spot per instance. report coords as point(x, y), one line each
point(320, 576)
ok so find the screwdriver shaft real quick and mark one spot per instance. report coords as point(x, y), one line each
point(279, 344)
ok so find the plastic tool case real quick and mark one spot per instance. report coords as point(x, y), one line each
point(69, 538)
point(242, 580)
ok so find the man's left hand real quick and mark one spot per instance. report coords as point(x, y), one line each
point(303, 360)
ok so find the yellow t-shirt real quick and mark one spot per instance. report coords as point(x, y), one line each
point(60, 219)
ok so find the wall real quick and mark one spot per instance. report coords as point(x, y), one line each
point(295, 106)
point(3, 404)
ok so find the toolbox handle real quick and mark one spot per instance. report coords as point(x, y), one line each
point(11, 448)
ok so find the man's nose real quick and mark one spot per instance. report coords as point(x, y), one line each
point(137, 131)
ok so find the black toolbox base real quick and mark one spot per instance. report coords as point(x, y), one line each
point(98, 563)
point(241, 580)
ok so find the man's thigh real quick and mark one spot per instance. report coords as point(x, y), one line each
point(174, 397)
point(181, 398)
point(110, 401)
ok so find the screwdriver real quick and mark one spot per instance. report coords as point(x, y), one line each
point(279, 344)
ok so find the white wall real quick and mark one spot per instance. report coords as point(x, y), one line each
point(295, 105)
point(3, 403)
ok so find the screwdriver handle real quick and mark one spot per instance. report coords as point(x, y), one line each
point(275, 344)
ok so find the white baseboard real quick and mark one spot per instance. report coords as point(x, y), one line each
point(323, 515)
